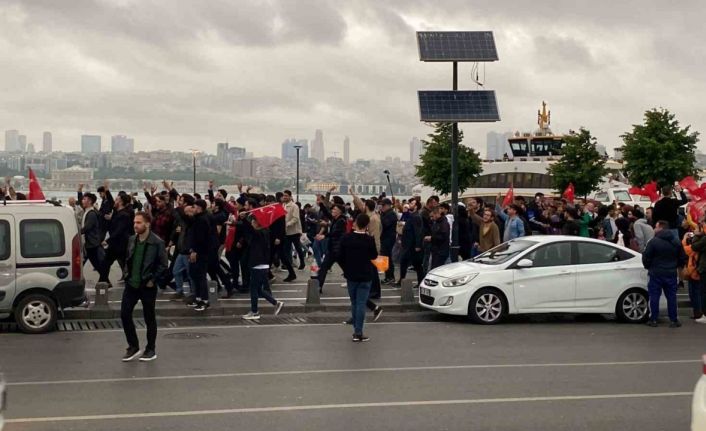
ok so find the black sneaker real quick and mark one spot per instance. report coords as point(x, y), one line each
point(149, 355)
point(131, 353)
point(290, 278)
point(675, 324)
point(348, 322)
point(177, 296)
point(360, 338)
point(377, 313)
point(652, 324)
point(202, 306)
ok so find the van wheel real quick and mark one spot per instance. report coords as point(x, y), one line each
point(487, 307)
point(633, 307)
point(36, 314)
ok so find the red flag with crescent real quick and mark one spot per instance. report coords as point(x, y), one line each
point(267, 215)
point(509, 197)
point(649, 189)
point(569, 193)
point(35, 190)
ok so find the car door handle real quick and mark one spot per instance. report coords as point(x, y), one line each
point(621, 268)
point(566, 273)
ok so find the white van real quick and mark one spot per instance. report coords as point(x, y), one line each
point(41, 265)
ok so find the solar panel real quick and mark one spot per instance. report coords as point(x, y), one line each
point(458, 106)
point(456, 46)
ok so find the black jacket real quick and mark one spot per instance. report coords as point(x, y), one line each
point(91, 229)
point(440, 235)
point(663, 255)
point(259, 247)
point(467, 233)
point(106, 208)
point(412, 233)
point(388, 220)
point(154, 263)
point(335, 233)
point(357, 252)
point(667, 209)
point(121, 227)
point(198, 235)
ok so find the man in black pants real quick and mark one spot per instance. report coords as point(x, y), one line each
point(146, 260)
point(388, 237)
point(120, 231)
point(199, 244)
point(412, 235)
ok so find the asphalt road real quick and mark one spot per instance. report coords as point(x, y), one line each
point(551, 375)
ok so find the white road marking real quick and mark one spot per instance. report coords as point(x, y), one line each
point(355, 370)
point(337, 298)
point(349, 406)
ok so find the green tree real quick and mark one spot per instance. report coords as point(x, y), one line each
point(580, 165)
point(435, 167)
point(659, 150)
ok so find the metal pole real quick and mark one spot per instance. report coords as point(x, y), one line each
point(454, 176)
point(193, 154)
point(297, 148)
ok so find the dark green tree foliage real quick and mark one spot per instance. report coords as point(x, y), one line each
point(581, 165)
point(435, 167)
point(659, 150)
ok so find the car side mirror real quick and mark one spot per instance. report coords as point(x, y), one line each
point(525, 263)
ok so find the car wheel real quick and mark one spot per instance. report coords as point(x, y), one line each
point(633, 307)
point(487, 307)
point(36, 314)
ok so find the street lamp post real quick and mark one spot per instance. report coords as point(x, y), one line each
point(193, 155)
point(297, 147)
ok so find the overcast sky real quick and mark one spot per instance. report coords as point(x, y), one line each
point(188, 74)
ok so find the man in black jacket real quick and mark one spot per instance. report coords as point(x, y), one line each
point(662, 257)
point(106, 209)
point(199, 243)
point(439, 238)
point(120, 231)
point(412, 237)
point(259, 264)
point(667, 209)
point(91, 233)
point(335, 233)
point(146, 260)
point(388, 218)
point(425, 214)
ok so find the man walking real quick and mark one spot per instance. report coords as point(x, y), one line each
point(121, 226)
point(412, 237)
point(293, 235)
point(439, 238)
point(146, 260)
point(91, 233)
point(198, 239)
point(388, 219)
point(662, 256)
point(259, 263)
point(357, 251)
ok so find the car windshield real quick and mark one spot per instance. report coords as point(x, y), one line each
point(503, 252)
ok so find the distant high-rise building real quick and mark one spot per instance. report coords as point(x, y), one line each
point(317, 146)
point(226, 155)
point(22, 139)
point(90, 144)
point(12, 141)
point(30, 148)
point(497, 145)
point(346, 150)
point(122, 144)
point(289, 152)
point(416, 149)
point(46, 142)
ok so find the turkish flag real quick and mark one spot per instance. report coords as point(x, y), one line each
point(569, 193)
point(35, 190)
point(267, 215)
point(697, 193)
point(649, 189)
point(509, 197)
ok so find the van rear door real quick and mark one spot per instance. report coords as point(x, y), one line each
point(8, 244)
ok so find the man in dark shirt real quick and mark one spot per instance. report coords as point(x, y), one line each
point(439, 238)
point(412, 236)
point(146, 261)
point(259, 264)
point(356, 254)
point(120, 231)
point(388, 219)
point(199, 244)
point(336, 231)
point(667, 208)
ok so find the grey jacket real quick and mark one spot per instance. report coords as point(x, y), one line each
point(154, 264)
point(643, 233)
point(91, 229)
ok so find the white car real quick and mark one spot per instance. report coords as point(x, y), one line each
point(541, 274)
point(698, 403)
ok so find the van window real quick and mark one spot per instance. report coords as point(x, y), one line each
point(4, 239)
point(41, 238)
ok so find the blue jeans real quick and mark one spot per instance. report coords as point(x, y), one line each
point(655, 287)
point(359, 291)
point(258, 282)
point(696, 297)
point(319, 248)
point(181, 272)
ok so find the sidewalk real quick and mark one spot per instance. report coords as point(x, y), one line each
point(334, 299)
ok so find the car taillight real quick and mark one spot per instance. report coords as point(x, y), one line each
point(76, 262)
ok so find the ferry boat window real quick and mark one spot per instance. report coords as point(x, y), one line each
point(527, 180)
point(502, 180)
point(492, 181)
point(601, 197)
point(622, 196)
point(537, 181)
point(519, 147)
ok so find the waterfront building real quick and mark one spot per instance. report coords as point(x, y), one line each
point(90, 144)
point(12, 142)
point(317, 146)
point(46, 142)
point(289, 152)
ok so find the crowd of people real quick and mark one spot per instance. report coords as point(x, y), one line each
point(174, 240)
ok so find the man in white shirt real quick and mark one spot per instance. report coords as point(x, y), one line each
point(293, 232)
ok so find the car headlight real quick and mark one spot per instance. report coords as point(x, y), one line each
point(459, 281)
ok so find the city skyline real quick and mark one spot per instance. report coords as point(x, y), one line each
point(225, 75)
